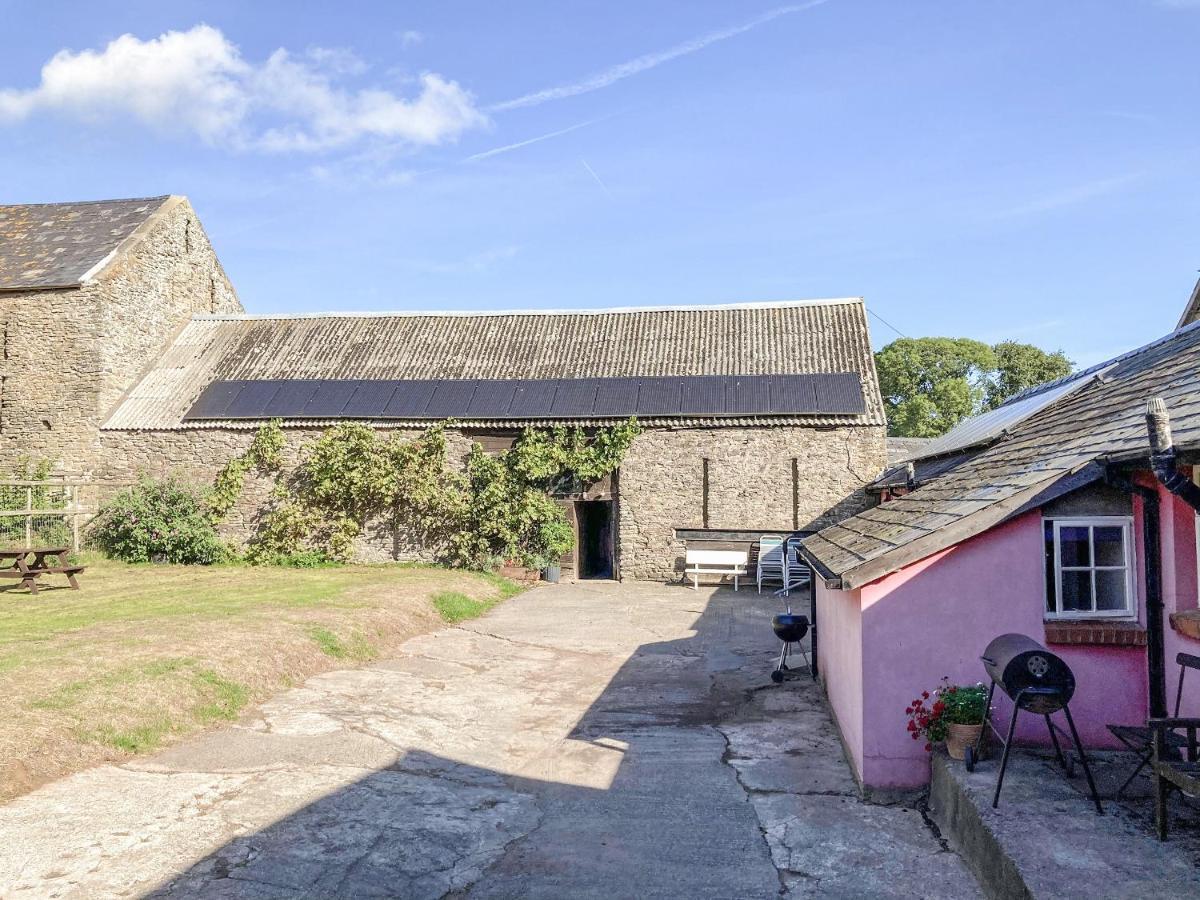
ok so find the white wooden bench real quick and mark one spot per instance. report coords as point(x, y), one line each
point(715, 562)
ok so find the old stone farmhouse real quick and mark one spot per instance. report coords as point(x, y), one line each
point(117, 317)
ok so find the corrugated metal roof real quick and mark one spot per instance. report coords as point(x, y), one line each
point(1103, 419)
point(50, 245)
point(754, 339)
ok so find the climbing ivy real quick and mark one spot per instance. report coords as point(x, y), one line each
point(497, 508)
point(265, 454)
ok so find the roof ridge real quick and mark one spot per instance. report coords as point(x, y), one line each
point(483, 313)
point(162, 197)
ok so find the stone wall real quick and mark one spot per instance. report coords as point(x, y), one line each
point(660, 484)
point(750, 485)
point(197, 455)
point(67, 356)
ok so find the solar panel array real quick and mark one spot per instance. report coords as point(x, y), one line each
point(837, 393)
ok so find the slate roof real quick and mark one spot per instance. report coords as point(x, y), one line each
point(742, 339)
point(55, 245)
point(1059, 448)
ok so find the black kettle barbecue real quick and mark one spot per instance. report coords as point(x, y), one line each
point(791, 629)
point(1039, 682)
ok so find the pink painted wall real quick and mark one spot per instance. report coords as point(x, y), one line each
point(1179, 593)
point(883, 644)
point(935, 617)
point(839, 615)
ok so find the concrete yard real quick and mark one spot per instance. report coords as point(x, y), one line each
point(1046, 840)
point(583, 740)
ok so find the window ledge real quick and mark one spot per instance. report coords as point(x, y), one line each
point(1187, 623)
point(1107, 632)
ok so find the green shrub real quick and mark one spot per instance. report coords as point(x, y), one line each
point(156, 517)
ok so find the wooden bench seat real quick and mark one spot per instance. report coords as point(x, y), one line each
point(715, 562)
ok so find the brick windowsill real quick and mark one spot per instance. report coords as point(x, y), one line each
point(1096, 631)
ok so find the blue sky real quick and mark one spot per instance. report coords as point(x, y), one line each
point(1020, 169)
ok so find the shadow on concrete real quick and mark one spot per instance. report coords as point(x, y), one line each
point(634, 799)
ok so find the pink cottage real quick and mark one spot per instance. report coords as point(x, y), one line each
point(1043, 517)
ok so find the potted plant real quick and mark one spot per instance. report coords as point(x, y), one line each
point(955, 714)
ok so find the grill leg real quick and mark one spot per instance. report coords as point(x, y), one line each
point(1145, 761)
point(782, 657)
point(1012, 727)
point(1054, 740)
point(1083, 759)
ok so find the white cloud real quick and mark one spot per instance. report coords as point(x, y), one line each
point(649, 61)
point(410, 38)
point(197, 81)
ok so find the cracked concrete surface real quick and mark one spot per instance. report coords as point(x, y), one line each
point(582, 740)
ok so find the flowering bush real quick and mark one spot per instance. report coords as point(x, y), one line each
point(930, 716)
point(152, 518)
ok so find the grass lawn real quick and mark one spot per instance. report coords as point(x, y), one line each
point(143, 655)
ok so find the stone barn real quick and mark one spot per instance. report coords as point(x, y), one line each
point(126, 350)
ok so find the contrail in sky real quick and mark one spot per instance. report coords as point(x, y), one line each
point(648, 61)
point(592, 172)
point(496, 151)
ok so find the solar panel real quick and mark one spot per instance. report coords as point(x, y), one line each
point(748, 395)
point(491, 400)
point(369, 400)
point(839, 392)
point(532, 399)
point(410, 399)
point(990, 425)
point(292, 398)
point(793, 394)
point(329, 399)
point(659, 397)
point(574, 398)
point(450, 399)
point(616, 397)
point(253, 401)
point(214, 400)
point(567, 398)
point(703, 395)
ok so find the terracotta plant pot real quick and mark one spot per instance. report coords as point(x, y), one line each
point(960, 737)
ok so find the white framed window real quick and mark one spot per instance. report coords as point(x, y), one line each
point(1090, 568)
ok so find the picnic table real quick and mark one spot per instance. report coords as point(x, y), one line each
point(31, 563)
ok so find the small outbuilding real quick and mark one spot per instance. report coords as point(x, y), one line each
point(1042, 517)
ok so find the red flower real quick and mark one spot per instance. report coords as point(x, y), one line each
point(908, 711)
point(912, 726)
point(924, 695)
point(928, 747)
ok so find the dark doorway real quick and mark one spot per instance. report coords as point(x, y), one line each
point(595, 519)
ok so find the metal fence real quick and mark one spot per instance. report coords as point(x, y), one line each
point(47, 513)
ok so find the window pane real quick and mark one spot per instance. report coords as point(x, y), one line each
point(1076, 591)
point(1073, 549)
point(1110, 589)
point(1110, 545)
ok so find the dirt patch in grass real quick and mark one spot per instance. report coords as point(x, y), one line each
point(143, 655)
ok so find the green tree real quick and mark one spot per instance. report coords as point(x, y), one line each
point(931, 384)
point(1021, 366)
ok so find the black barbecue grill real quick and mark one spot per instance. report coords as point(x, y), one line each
point(791, 629)
point(1039, 682)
